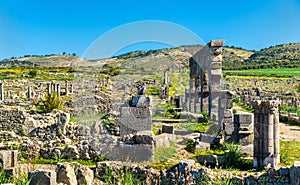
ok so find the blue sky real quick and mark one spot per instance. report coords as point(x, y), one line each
point(46, 27)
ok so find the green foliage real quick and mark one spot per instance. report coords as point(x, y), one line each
point(195, 127)
point(234, 155)
point(4, 177)
point(114, 177)
point(22, 180)
point(280, 56)
point(33, 73)
point(245, 107)
point(154, 91)
point(162, 154)
point(290, 109)
point(52, 101)
point(234, 111)
point(190, 147)
point(205, 116)
point(270, 72)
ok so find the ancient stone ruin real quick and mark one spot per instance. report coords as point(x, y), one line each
point(266, 133)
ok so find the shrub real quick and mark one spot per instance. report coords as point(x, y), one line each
point(52, 101)
point(234, 155)
point(190, 146)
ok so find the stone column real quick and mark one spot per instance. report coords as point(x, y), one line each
point(67, 88)
point(29, 92)
point(266, 133)
point(58, 89)
point(217, 106)
point(71, 88)
point(49, 88)
point(166, 78)
point(1, 91)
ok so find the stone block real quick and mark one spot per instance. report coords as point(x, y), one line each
point(66, 174)
point(134, 120)
point(143, 138)
point(207, 159)
point(167, 129)
point(245, 139)
point(135, 153)
point(228, 113)
point(207, 138)
point(141, 101)
point(228, 128)
point(42, 177)
point(202, 146)
point(295, 173)
point(85, 175)
point(9, 158)
point(243, 118)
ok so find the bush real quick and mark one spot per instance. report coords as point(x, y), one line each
point(52, 101)
point(190, 146)
point(234, 155)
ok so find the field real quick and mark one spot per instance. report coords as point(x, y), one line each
point(274, 72)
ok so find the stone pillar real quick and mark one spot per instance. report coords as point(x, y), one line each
point(266, 133)
point(49, 88)
point(58, 89)
point(67, 88)
point(1, 92)
point(166, 78)
point(71, 88)
point(29, 92)
point(54, 87)
point(217, 96)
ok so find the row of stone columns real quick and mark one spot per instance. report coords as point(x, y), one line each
point(56, 88)
point(50, 87)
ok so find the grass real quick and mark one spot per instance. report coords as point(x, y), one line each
point(274, 72)
point(86, 120)
point(244, 107)
point(290, 109)
point(161, 156)
point(196, 127)
point(289, 152)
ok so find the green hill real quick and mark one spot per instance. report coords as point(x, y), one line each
point(279, 56)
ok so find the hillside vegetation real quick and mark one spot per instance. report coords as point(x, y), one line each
point(234, 58)
point(279, 56)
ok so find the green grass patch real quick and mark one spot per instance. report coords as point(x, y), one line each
point(196, 127)
point(272, 72)
point(161, 156)
point(290, 109)
point(244, 107)
point(289, 152)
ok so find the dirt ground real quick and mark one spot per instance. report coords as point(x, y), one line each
point(289, 132)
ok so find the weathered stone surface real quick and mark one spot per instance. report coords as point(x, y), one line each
point(207, 138)
point(143, 138)
point(43, 177)
point(63, 119)
point(163, 140)
point(66, 174)
point(136, 153)
point(134, 120)
point(167, 129)
point(207, 159)
point(85, 175)
point(295, 173)
point(141, 101)
point(8, 159)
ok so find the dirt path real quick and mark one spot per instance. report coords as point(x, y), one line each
point(289, 132)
